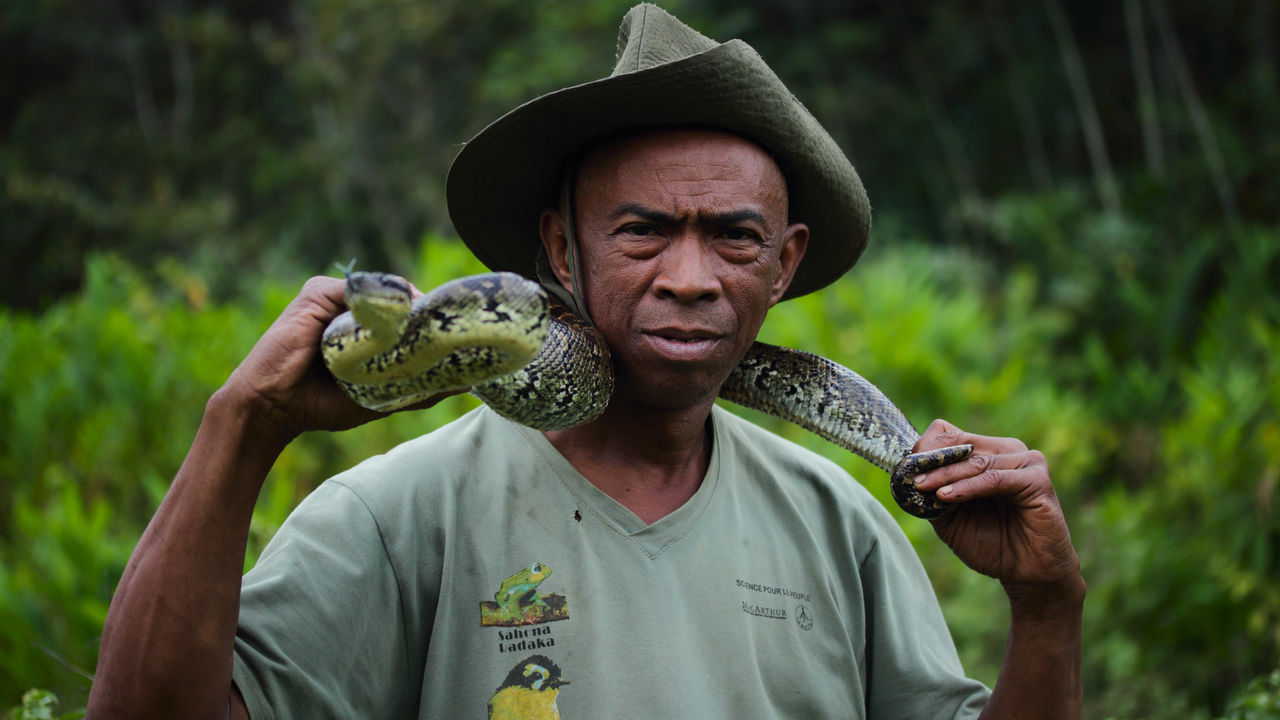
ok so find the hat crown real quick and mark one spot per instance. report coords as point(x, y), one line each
point(666, 74)
point(650, 36)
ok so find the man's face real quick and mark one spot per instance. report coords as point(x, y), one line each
point(684, 247)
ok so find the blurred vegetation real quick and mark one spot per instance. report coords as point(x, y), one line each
point(41, 705)
point(1076, 243)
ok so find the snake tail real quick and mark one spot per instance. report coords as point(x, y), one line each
point(825, 398)
point(902, 480)
point(839, 405)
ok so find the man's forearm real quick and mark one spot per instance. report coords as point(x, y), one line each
point(168, 639)
point(1040, 677)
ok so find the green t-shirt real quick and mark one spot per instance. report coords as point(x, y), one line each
point(469, 573)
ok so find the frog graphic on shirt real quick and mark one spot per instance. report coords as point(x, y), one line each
point(518, 602)
point(522, 589)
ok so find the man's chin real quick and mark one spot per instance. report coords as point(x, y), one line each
point(670, 391)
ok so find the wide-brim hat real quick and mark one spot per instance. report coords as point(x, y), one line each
point(666, 74)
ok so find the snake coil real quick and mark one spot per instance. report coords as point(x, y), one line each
point(533, 361)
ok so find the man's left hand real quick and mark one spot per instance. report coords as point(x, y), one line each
point(1008, 523)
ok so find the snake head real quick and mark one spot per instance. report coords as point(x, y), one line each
point(379, 302)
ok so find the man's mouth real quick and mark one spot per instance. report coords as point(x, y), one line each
point(683, 345)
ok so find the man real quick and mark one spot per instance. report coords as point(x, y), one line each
point(665, 560)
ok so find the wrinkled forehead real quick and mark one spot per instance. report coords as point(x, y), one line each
point(663, 154)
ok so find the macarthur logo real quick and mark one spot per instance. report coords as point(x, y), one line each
point(770, 601)
point(763, 611)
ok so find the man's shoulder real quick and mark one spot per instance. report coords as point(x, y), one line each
point(776, 459)
point(437, 460)
point(472, 433)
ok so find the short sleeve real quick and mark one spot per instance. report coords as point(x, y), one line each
point(321, 631)
point(914, 669)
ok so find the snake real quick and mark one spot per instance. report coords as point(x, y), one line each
point(532, 360)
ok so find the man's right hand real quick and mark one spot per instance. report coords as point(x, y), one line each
point(283, 379)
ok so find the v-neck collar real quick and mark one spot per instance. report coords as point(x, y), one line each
point(651, 539)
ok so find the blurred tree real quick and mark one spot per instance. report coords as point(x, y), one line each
point(129, 125)
point(242, 135)
point(251, 135)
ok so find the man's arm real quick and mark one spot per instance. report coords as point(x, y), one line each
point(1009, 525)
point(169, 635)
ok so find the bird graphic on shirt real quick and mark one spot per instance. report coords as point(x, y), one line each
point(529, 692)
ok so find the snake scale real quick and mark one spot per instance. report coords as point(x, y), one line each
point(533, 361)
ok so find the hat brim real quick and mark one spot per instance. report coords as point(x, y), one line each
point(510, 172)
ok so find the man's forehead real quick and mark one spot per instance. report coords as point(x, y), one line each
point(677, 157)
point(639, 143)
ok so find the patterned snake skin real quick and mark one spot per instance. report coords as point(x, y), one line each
point(533, 361)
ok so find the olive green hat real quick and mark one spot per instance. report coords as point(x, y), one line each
point(666, 74)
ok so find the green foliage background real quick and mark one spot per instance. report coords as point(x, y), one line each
point(1076, 243)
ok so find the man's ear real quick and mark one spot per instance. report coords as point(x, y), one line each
point(555, 241)
point(795, 240)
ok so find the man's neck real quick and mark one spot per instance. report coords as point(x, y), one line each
point(650, 460)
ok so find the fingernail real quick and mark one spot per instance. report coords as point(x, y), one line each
point(948, 491)
point(917, 480)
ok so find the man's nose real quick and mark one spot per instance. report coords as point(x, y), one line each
point(688, 271)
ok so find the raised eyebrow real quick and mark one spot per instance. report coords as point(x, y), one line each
point(632, 208)
point(734, 217)
point(722, 219)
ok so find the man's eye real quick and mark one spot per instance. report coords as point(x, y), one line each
point(738, 234)
point(640, 230)
point(640, 241)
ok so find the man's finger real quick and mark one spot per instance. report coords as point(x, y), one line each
point(981, 476)
point(941, 433)
point(972, 466)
